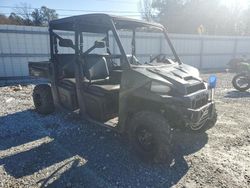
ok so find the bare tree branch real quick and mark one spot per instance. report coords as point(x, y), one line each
point(24, 11)
point(145, 7)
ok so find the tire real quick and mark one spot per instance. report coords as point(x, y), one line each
point(235, 84)
point(154, 132)
point(211, 122)
point(43, 100)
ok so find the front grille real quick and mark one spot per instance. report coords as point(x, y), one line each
point(199, 102)
point(194, 88)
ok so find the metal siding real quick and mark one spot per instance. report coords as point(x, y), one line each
point(218, 46)
point(184, 46)
point(191, 60)
point(20, 44)
point(243, 47)
point(8, 67)
point(216, 62)
point(2, 67)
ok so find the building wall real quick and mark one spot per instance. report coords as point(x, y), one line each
point(21, 44)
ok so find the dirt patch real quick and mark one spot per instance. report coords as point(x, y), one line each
point(58, 151)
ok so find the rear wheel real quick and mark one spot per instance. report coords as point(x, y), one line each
point(241, 82)
point(150, 135)
point(43, 100)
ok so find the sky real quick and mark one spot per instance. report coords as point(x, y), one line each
point(120, 7)
point(127, 8)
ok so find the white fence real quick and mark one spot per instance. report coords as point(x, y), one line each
point(20, 44)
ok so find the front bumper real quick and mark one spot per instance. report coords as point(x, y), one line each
point(196, 118)
point(201, 115)
point(191, 111)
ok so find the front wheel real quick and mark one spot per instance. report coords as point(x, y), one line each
point(150, 135)
point(241, 82)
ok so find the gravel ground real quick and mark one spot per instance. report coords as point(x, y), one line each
point(60, 151)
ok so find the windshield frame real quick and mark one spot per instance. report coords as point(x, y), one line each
point(158, 27)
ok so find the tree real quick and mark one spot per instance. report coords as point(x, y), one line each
point(146, 9)
point(37, 17)
point(23, 11)
point(186, 16)
point(22, 15)
point(4, 19)
point(170, 14)
point(15, 19)
point(48, 14)
point(246, 18)
point(43, 16)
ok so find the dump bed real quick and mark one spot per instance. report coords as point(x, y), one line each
point(39, 69)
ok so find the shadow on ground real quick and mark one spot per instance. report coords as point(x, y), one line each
point(108, 162)
point(23, 82)
point(237, 94)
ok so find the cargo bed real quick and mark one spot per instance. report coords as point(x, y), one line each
point(39, 69)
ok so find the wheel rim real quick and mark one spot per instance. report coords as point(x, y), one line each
point(145, 139)
point(242, 82)
point(37, 100)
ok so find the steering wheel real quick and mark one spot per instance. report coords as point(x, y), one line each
point(158, 58)
point(133, 60)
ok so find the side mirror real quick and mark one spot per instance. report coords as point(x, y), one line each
point(100, 44)
point(66, 43)
point(212, 81)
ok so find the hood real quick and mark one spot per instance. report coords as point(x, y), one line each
point(183, 78)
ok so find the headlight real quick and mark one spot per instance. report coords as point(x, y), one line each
point(159, 87)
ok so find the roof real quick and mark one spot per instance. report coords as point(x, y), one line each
point(98, 23)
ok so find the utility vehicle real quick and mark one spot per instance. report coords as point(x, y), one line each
point(241, 81)
point(112, 81)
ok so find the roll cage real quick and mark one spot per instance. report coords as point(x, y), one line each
point(101, 23)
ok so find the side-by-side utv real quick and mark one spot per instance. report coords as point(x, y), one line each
point(100, 71)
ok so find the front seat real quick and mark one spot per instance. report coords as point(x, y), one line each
point(102, 97)
point(96, 71)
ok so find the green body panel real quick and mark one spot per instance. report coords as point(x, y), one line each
point(245, 67)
